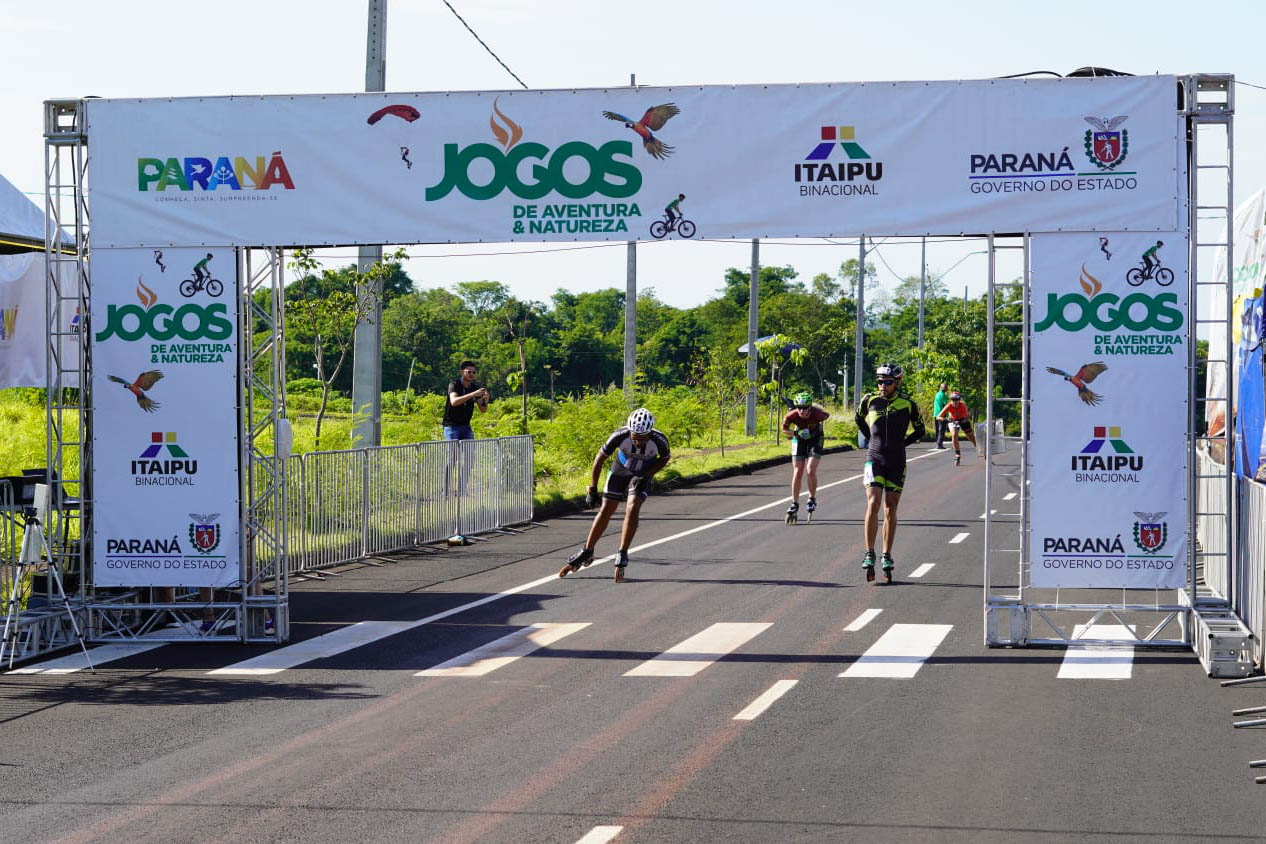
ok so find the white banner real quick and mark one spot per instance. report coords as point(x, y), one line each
point(902, 158)
point(165, 422)
point(1109, 382)
point(24, 324)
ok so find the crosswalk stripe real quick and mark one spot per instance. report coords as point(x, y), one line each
point(766, 700)
point(959, 537)
point(71, 663)
point(900, 652)
point(330, 644)
point(600, 835)
point(922, 570)
point(501, 652)
point(1098, 662)
point(691, 656)
point(862, 620)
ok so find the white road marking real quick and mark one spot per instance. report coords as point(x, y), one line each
point(688, 658)
point(600, 835)
point(1099, 662)
point(71, 663)
point(862, 620)
point(766, 700)
point(346, 638)
point(959, 537)
point(341, 640)
point(900, 652)
point(501, 652)
point(1008, 496)
point(921, 570)
point(991, 512)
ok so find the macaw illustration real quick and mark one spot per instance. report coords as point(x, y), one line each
point(1083, 376)
point(143, 382)
point(653, 120)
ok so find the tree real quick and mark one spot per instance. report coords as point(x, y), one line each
point(720, 374)
point(778, 351)
point(323, 311)
point(908, 289)
point(770, 282)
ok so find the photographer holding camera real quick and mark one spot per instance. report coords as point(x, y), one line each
point(460, 403)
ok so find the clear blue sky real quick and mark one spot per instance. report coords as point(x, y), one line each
point(148, 48)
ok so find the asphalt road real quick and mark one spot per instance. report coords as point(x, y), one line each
point(614, 717)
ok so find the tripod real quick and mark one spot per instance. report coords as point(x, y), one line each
point(30, 557)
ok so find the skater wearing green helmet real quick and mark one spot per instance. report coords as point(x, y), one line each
point(803, 423)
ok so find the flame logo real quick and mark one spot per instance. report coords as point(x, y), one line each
point(148, 297)
point(1093, 287)
point(507, 139)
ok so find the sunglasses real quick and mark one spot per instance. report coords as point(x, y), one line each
point(885, 381)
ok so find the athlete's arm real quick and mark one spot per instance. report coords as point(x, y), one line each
point(916, 424)
point(598, 460)
point(860, 417)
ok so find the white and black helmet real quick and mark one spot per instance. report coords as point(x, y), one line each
point(888, 370)
point(641, 421)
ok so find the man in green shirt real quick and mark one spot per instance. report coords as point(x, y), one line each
point(938, 404)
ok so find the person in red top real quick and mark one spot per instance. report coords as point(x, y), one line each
point(959, 419)
point(803, 423)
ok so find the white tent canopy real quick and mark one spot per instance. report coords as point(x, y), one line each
point(23, 333)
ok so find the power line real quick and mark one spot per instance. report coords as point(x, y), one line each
point(485, 46)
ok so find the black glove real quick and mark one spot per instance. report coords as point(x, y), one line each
point(591, 497)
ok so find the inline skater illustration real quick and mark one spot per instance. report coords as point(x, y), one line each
point(889, 422)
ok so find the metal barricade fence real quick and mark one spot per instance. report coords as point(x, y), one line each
point(10, 541)
point(1211, 501)
point(1251, 561)
point(345, 505)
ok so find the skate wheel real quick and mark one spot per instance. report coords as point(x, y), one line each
point(870, 574)
point(888, 575)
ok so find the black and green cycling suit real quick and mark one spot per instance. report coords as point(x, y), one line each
point(889, 424)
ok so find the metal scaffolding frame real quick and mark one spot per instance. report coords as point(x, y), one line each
point(1015, 613)
point(257, 609)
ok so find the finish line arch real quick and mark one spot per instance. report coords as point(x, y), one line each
point(1064, 162)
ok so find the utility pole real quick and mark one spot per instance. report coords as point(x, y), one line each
point(630, 310)
point(367, 348)
point(752, 317)
point(923, 286)
point(858, 332)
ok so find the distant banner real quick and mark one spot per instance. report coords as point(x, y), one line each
point(1109, 382)
point(165, 427)
point(902, 158)
point(24, 333)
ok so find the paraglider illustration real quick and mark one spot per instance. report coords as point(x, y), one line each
point(406, 113)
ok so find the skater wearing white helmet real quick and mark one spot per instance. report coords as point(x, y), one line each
point(640, 452)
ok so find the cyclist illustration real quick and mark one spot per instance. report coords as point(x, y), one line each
point(1150, 268)
point(673, 221)
point(201, 280)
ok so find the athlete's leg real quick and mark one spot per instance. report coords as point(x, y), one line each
point(874, 495)
point(891, 500)
point(797, 474)
point(954, 438)
point(811, 468)
point(632, 508)
point(600, 520)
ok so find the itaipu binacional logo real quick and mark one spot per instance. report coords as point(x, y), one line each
point(204, 532)
point(164, 462)
point(1107, 458)
point(838, 166)
point(1150, 533)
